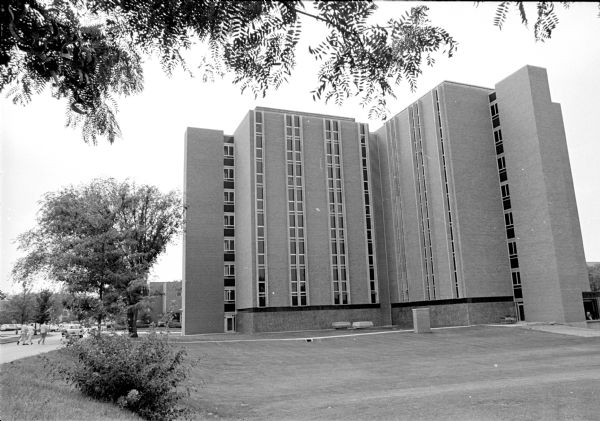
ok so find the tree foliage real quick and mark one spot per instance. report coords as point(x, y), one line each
point(100, 241)
point(546, 18)
point(43, 307)
point(90, 51)
point(20, 307)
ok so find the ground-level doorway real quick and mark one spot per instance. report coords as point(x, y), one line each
point(229, 322)
point(520, 311)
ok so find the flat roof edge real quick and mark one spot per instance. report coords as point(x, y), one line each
point(278, 110)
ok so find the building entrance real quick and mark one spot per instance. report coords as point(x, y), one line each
point(590, 307)
point(520, 311)
point(230, 323)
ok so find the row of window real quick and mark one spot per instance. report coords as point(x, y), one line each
point(229, 225)
point(423, 207)
point(447, 201)
point(391, 132)
point(506, 205)
point(261, 257)
point(369, 229)
point(337, 235)
point(297, 252)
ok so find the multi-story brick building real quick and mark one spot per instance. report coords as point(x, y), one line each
point(463, 203)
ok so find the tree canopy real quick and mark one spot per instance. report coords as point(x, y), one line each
point(101, 239)
point(91, 51)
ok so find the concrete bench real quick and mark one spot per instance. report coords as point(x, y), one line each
point(341, 325)
point(362, 325)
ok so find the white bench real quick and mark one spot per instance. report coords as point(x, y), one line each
point(362, 325)
point(341, 325)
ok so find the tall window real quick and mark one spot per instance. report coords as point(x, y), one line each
point(296, 226)
point(229, 197)
point(510, 226)
point(369, 228)
point(229, 245)
point(229, 295)
point(447, 206)
point(229, 269)
point(228, 220)
point(228, 174)
point(505, 191)
point(260, 230)
point(337, 213)
point(502, 169)
point(506, 204)
point(228, 151)
point(423, 204)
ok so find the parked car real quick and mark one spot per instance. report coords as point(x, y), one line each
point(9, 326)
point(73, 330)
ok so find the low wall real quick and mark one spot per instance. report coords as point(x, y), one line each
point(456, 312)
point(593, 324)
point(281, 319)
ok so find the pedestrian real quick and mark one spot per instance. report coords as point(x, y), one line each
point(30, 332)
point(23, 335)
point(43, 333)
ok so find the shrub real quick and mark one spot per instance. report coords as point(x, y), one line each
point(144, 375)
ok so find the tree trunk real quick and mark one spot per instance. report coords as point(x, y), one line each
point(132, 314)
point(101, 309)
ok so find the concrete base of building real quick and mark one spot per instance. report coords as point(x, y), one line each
point(281, 319)
point(458, 312)
point(593, 324)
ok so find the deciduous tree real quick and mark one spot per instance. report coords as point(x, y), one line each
point(100, 241)
point(91, 51)
point(21, 306)
point(43, 307)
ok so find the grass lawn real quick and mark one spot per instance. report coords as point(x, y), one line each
point(29, 393)
point(478, 373)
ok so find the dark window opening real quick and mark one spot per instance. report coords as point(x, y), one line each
point(495, 121)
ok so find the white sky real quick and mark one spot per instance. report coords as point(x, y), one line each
point(38, 154)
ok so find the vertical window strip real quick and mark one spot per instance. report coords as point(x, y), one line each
point(506, 204)
point(450, 231)
point(337, 212)
point(229, 223)
point(296, 216)
point(367, 203)
point(260, 207)
point(423, 205)
point(397, 211)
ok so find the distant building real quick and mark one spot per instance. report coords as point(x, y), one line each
point(463, 203)
point(166, 297)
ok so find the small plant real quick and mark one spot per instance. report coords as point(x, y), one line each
point(142, 375)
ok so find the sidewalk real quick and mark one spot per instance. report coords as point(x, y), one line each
point(11, 351)
point(562, 329)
